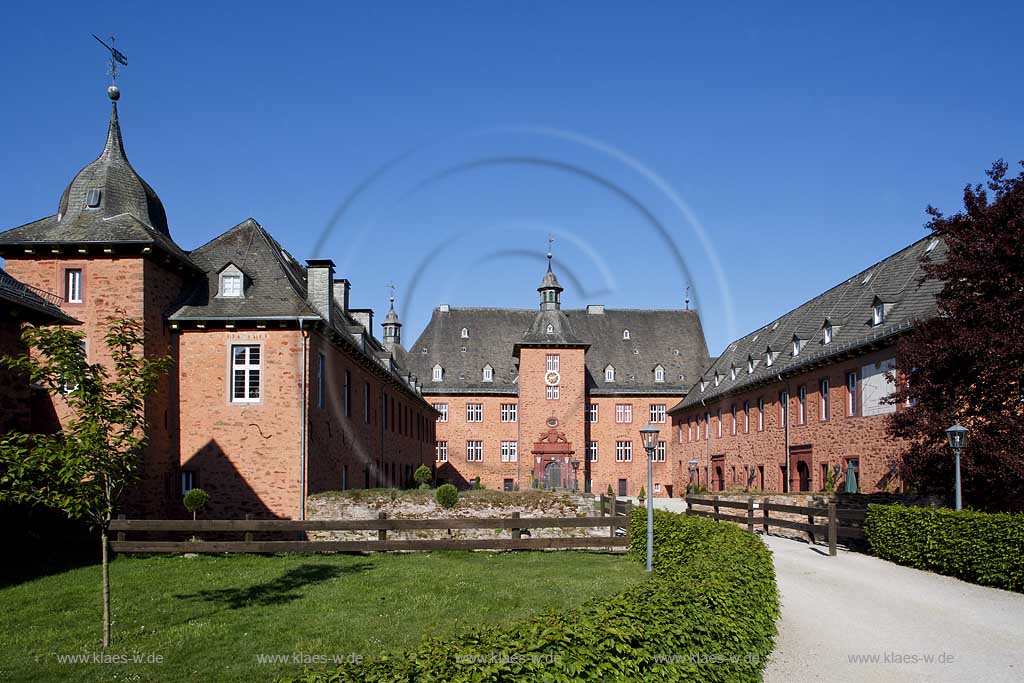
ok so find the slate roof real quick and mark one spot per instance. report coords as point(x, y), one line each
point(129, 211)
point(894, 281)
point(39, 306)
point(673, 339)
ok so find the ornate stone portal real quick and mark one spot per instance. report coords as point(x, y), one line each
point(552, 456)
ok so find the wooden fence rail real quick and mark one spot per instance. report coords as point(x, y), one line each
point(845, 523)
point(382, 525)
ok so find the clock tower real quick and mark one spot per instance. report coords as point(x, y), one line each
point(552, 392)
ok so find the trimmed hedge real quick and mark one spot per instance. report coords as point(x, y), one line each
point(706, 614)
point(980, 547)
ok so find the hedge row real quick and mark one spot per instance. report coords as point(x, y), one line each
point(707, 614)
point(980, 547)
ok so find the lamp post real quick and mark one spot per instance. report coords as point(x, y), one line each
point(575, 474)
point(956, 435)
point(693, 475)
point(649, 436)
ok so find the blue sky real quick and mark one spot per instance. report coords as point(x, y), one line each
point(793, 143)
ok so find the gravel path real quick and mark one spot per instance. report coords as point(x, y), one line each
point(836, 608)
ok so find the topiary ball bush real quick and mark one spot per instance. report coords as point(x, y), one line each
point(447, 496)
point(195, 500)
point(422, 475)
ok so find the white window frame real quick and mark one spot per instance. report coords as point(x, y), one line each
point(509, 412)
point(592, 412)
point(852, 398)
point(825, 400)
point(769, 358)
point(510, 451)
point(801, 412)
point(474, 450)
point(657, 413)
point(746, 417)
point(592, 451)
point(441, 452)
point(878, 313)
point(474, 412)
point(247, 367)
point(718, 430)
point(827, 335)
point(625, 334)
point(659, 373)
point(464, 334)
point(760, 414)
point(442, 411)
point(623, 413)
point(624, 451)
point(552, 362)
point(73, 285)
point(437, 374)
point(488, 373)
point(230, 285)
point(659, 452)
point(732, 427)
point(609, 373)
point(551, 392)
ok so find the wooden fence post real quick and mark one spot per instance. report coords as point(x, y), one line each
point(120, 534)
point(750, 515)
point(689, 506)
point(765, 523)
point(715, 508)
point(832, 531)
point(810, 522)
point(382, 534)
point(602, 504)
point(248, 534)
point(516, 533)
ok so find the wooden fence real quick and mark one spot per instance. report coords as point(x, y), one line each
point(840, 523)
point(612, 506)
point(382, 525)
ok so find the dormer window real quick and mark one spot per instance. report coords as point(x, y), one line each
point(625, 334)
point(465, 333)
point(718, 379)
point(826, 334)
point(732, 372)
point(659, 373)
point(609, 374)
point(877, 312)
point(769, 357)
point(797, 343)
point(92, 198)
point(551, 329)
point(438, 373)
point(488, 373)
point(751, 364)
point(703, 384)
point(231, 282)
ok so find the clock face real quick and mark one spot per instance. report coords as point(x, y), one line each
point(551, 378)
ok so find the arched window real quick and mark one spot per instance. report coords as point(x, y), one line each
point(488, 373)
point(609, 374)
point(659, 373)
point(625, 334)
point(465, 333)
point(438, 373)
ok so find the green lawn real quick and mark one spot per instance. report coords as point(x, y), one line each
point(210, 618)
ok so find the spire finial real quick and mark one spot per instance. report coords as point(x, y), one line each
point(551, 239)
point(687, 297)
point(391, 296)
point(116, 57)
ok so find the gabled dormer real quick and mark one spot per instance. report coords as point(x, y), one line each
point(231, 282)
point(879, 311)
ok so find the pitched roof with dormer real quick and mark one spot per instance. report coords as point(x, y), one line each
point(836, 323)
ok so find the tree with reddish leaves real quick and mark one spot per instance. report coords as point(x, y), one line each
point(966, 364)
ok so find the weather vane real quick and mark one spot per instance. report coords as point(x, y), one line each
point(551, 239)
point(391, 288)
point(116, 57)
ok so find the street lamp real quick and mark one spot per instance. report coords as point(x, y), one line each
point(575, 474)
point(693, 476)
point(956, 435)
point(649, 436)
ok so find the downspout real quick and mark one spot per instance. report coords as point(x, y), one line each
point(785, 483)
point(707, 446)
point(302, 468)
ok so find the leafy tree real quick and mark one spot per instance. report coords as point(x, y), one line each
point(195, 500)
point(422, 475)
point(966, 364)
point(84, 469)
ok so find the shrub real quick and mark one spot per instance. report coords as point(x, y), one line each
point(422, 475)
point(195, 500)
point(447, 496)
point(611, 493)
point(980, 547)
point(642, 495)
point(706, 614)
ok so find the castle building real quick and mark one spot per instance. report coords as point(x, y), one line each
point(800, 403)
point(279, 389)
point(556, 397)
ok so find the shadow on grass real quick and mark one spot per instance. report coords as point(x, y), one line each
point(283, 589)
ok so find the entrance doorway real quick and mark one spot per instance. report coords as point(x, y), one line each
point(553, 475)
point(622, 487)
point(803, 473)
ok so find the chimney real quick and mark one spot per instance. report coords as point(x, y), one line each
point(319, 293)
point(341, 289)
point(363, 316)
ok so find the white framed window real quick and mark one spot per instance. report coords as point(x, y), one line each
point(624, 413)
point(552, 362)
point(550, 329)
point(657, 487)
point(321, 372)
point(657, 413)
point(718, 431)
point(659, 373)
point(509, 412)
point(760, 414)
point(703, 384)
point(609, 374)
point(623, 451)
point(442, 451)
point(442, 411)
point(625, 334)
point(796, 346)
point(718, 379)
point(231, 284)
point(659, 452)
point(825, 405)
point(769, 357)
point(552, 393)
point(746, 417)
point(245, 373)
point(802, 407)
point(438, 373)
point(826, 335)
point(750, 365)
point(732, 372)
point(878, 313)
point(732, 427)
point(510, 451)
point(465, 333)
point(73, 285)
point(851, 394)
point(474, 412)
point(474, 451)
point(488, 373)
point(592, 412)
point(592, 451)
